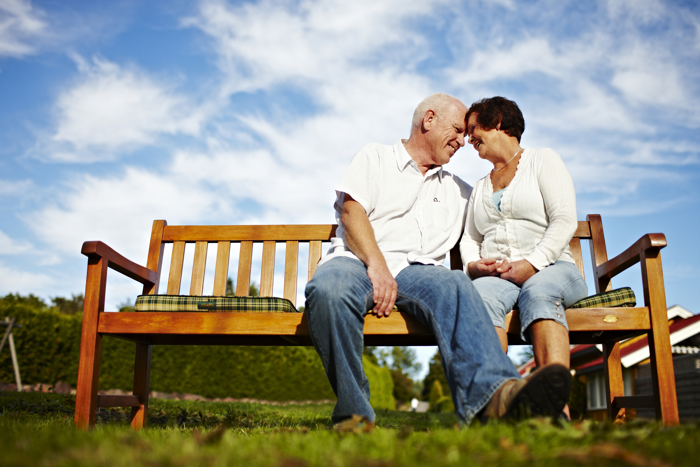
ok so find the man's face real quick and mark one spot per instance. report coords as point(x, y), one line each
point(446, 135)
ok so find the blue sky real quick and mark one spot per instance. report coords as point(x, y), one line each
point(116, 113)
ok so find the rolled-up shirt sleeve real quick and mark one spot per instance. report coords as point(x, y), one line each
point(361, 180)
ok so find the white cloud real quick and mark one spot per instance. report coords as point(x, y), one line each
point(313, 41)
point(20, 25)
point(15, 187)
point(9, 246)
point(113, 109)
point(119, 210)
point(17, 280)
point(637, 11)
point(647, 76)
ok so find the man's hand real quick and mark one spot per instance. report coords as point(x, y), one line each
point(384, 289)
point(517, 272)
point(483, 267)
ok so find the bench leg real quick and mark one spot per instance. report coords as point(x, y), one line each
point(663, 378)
point(90, 345)
point(142, 376)
point(614, 385)
point(662, 373)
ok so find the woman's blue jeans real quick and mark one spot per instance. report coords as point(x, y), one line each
point(337, 300)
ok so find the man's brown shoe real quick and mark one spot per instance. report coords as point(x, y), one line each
point(544, 393)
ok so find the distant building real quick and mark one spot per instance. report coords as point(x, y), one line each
point(587, 366)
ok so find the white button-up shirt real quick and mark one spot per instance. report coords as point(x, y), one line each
point(415, 218)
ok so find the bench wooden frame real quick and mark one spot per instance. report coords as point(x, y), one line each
point(605, 326)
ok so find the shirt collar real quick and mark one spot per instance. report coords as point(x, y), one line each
point(403, 159)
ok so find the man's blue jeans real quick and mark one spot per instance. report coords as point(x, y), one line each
point(337, 300)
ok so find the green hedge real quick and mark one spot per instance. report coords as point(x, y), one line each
point(48, 346)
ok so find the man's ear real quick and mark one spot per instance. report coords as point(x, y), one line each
point(429, 120)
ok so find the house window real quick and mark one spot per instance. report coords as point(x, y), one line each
point(595, 384)
point(596, 391)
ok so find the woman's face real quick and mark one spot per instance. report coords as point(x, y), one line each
point(485, 142)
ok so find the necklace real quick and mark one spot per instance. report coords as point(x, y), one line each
point(511, 160)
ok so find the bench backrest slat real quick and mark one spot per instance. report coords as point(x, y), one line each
point(223, 253)
point(291, 264)
point(315, 252)
point(245, 262)
point(291, 236)
point(599, 253)
point(200, 263)
point(575, 246)
point(267, 272)
point(175, 278)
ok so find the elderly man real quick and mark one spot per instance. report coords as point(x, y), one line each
point(399, 213)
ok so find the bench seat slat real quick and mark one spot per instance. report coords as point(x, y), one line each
point(291, 324)
point(266, 324)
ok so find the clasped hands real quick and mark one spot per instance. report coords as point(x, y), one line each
point(516, 271)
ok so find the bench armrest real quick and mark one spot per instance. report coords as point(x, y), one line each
point(631, 255)
point(119, 263)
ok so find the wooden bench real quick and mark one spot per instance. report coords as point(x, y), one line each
point(605, 326)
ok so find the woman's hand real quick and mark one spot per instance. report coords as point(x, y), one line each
point(517, 272)
point(483, 267)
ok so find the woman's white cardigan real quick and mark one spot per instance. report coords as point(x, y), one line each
point(537, 218)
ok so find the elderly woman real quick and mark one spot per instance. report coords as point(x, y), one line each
point(520, 220)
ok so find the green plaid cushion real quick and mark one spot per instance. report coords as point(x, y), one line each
point(614, 298)
point(214, 304)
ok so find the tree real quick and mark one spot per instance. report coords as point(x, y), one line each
point(435, 396)
point(31, 301)
point(404, 388)
point(435, 373)
point(253, 290)
point(401, 361)
point(370, 352)
point(69, 306)
point(399, 358)
point(126, 306)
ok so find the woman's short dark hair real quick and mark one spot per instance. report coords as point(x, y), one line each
point(494, 110)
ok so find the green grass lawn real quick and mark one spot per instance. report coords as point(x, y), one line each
point(37, 429)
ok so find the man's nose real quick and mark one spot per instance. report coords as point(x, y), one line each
point(460, 140)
